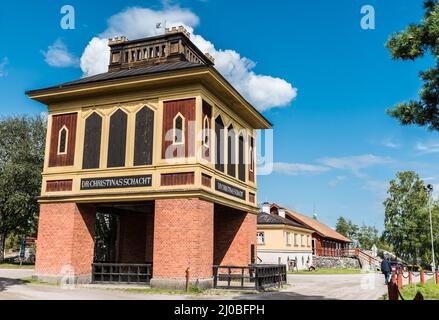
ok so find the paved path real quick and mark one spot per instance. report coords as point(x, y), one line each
point(302, 287)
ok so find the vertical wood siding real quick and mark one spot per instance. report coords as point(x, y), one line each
point(170, 110)
point(58, 121)
point(177, 179)
point(206, 180)
point(59, 185)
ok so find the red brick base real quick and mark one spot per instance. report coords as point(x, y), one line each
point(65, 240)
point(183, 238)
point(235, 233)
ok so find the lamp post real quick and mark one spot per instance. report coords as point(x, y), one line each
point(430, 192)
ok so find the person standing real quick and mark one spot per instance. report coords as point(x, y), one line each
point(386, 268)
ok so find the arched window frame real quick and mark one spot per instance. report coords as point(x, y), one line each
point(66, 130)
point(206, 132)
point(251, 157)
point(174, 130)
point(231, 150)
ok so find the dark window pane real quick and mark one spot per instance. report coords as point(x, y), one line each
point(143, 145)
point(231, 152)
point(178, 130)
point(92, 142)
point(219, 133)
point(62, 141)
point(241, 163)
point(117, 139)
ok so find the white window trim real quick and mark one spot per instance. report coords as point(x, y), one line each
point(182, 131)
point(206, 131)
point(263, 237)
point(59, 140)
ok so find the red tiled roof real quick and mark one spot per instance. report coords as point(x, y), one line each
point(317, 226)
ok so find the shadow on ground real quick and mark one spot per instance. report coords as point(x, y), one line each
point(281, 296)
point(8, 282)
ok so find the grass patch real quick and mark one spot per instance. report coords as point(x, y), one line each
point(16, 266)
point(30, 280)
point(328, 271)
point(192, 291)
point(430, 291)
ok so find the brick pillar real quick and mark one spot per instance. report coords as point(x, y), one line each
point(65, 244)
point(235, 233)
point(183, 238)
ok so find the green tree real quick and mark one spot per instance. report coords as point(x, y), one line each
point(426, 254)
point(346, 228)
point(367, 237)
point(406, 225)
point(414, 42)
point(21, 162)
point(342, 226)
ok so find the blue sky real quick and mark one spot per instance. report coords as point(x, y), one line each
point(335, 148)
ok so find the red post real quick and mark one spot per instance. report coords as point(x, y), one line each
point(400, 280)
point(437, 277)
point(392, 291)
point(187, 279)
point(393, 281)
point(422, 277)
point(410, 277)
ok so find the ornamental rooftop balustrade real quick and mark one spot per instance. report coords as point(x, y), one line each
point(173, 46)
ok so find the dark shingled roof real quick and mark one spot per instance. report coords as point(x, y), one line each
point(265, 218)
point(129, 73)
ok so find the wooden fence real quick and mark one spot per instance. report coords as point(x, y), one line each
point(253, 277)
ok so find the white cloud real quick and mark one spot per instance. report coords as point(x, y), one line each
point(336, 181)
point(4, 62)
point(355, 163)
point(427, 147)
point(57, 55)
point(263, 91)
point(294, 169)
point(96, 57)
point(389, 143)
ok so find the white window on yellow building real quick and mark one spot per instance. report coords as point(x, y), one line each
point(302, 243)
point(296, 239)
point(287, 236)
point(308, 241)
point(260, 237)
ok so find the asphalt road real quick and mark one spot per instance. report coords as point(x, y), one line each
point(301, 287)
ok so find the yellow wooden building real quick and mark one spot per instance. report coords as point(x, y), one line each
point(162, 148)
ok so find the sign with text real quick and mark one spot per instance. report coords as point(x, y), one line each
point(116, 182)
point(229, 189)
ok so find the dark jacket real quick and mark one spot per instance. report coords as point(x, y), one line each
point(386, 266)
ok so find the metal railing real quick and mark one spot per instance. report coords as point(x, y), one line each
point(121, 273)
point(252, 277)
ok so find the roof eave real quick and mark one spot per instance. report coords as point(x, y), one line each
point(48, 95)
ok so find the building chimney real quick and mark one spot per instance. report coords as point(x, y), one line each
point(265, 207)
point(281, 212)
